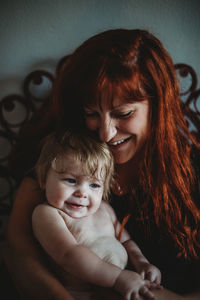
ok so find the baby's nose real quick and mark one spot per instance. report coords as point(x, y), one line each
point(80, 193)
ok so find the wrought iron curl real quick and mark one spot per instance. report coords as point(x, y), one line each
point(29, 102)
point(37, 78)
point(184, 70)
point(191, 103)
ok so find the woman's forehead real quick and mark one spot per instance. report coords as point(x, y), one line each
point(114, 104)
point(112, 94)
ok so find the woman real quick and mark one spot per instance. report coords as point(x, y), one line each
point(121, 86)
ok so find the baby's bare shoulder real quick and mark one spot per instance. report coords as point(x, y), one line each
point(44, 211)
point(107, 207)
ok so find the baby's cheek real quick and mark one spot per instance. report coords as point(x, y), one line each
point(53, 197)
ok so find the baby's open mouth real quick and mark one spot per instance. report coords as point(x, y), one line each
point(74, 205)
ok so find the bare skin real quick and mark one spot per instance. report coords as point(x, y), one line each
point(31, 275)
point(76, 227)
point(22, 255)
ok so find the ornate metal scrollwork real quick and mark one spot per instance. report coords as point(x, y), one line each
point(190, 96)
point(15, 110)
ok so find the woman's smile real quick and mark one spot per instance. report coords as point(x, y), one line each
point(124, 151)
point(116, 143)
point(125, 133)
point(120, 147)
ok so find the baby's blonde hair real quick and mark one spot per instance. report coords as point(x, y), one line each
point(86, 150)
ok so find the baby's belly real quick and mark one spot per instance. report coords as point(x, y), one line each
point(110, 250)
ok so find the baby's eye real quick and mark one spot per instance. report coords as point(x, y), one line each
point(70, 180)
point(95, 185)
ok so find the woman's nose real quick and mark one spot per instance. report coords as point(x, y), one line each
point(107, 130)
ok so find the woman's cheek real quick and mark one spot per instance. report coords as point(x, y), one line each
point(91, 124)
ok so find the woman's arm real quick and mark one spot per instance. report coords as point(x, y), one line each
point(22, 255)
point(168, 295)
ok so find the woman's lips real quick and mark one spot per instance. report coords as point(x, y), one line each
point(118, 144)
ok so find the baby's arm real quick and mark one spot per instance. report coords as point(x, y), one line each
point(141, 264)
point(137, 259)
point(54, 236)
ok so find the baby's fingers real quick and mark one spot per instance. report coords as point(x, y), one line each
point(142, 274)
point(157, 280)
point(151, 276)
point(145, 291)
point(156, 286)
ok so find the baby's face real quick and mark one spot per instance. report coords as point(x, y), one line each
point(73, 192)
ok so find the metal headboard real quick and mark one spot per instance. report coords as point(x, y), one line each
point(29, 102)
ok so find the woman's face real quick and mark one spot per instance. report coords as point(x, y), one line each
point(124, 126)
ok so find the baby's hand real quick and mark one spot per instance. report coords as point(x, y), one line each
point(149, 272)
point(131, 286)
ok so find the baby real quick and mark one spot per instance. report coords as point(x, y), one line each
point(78, 229)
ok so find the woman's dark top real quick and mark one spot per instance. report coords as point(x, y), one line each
point(178, 274)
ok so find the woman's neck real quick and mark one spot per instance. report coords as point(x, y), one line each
point(126, 175)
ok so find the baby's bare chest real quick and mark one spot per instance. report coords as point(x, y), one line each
point(97, 232)
point(92, 227)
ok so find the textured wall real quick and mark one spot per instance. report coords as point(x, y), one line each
point(36, 33)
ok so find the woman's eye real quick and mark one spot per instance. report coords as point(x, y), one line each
point(124, 115)
point(70, 180)
point(95, 185)
point(91, 114)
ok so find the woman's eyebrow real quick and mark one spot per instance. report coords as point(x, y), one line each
point(124, 105)
point(90, 107)
point(112, 108)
